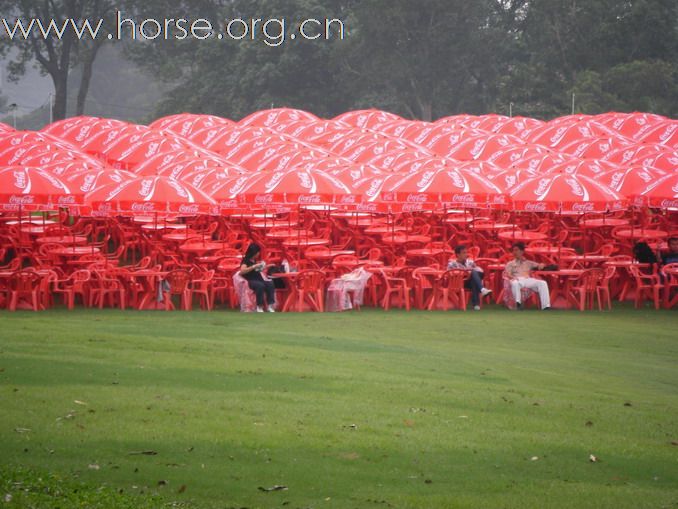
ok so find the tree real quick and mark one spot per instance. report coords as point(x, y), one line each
point(56, 56)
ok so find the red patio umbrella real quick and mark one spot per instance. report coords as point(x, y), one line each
point(33, 189)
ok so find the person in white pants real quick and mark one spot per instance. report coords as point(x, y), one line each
point(519, 271)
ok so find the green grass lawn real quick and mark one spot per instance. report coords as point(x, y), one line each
point(365, 410)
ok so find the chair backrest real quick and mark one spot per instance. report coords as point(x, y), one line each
point(592, 279)
point(25, 281)
point(341, 259)
point(229, 264)
point(310, 280)
point(81, 276)
point(178, 280)
point(453, 279)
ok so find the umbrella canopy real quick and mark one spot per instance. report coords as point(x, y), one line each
point(4, 128)
point(662, 194)
point(630, 182)
point(149, 195)
point(483, 147)
point(565, 193)
point(442, 186)
point(665, 133)
point(184, 124)
point(270, 118)
point(34, 189)
point(300, 187)
point(87, 181)
point(367, 118)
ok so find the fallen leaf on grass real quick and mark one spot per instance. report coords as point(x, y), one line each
point(78, 402)
point(674, 442)
point(22, 430)
point(144, 453)
point(277, 487)
point(627, 404)
point(162, 483)
point(534, 458)
point(182, 488)
point(93, 466)
point(593, 459)
point(588, 424)
point(409, 423)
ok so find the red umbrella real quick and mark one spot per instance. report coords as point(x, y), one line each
point(629, 182)
point(366, 118)
point(437, 187)
point(270, 118)
point(630, 124)
point(483, 147)
point(34, 189)
point(663, 194)
point(145, 195)
point(184, 124)
point(565, 193)
point(665, 133)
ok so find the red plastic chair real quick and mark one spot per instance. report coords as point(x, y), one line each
point(308, 288)
point(670, 284)
point(73, 286)
point(202, 286)
point(450, 288)
point(178, 283)
point(393, 287)
point(648, 287)
point(587, 289)
point(104, 287)
point(25, 284)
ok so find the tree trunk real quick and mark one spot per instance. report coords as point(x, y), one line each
point(85, 80)
point(60, 80)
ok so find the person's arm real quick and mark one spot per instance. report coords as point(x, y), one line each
point(536, 266)
point(244, 269)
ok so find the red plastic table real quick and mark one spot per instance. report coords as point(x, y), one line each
point(200, 248)
point(401, 238)
point(639, 233)
point(383, 228)
point(327, 255)
point(77, 240)
point(522, 236)
point(288, 233)
point(587, 260)
point(305, 242)
point(76, 251)
point(491, 227)
point(603, 223)
point(560, 285)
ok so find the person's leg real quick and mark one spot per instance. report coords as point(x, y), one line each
point(516, 288)
point(476, 284)
point(542, 288)
point(258, 288)
point(270, 293)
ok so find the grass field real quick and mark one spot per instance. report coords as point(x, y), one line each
point(364, 410)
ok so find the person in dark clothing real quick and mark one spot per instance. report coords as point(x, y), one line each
point(672, 255)
point(643, 253)
point(475, 280)
point(251, 269)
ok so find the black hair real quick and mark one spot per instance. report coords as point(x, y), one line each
point(643, 253)
point(459, 249)
point(519, 245)
point(252, 251)
point(672, 239)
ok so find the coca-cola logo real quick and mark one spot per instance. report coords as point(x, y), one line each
point(66, 200)
point(366, 207)
point(152, 149)
point(477, 147)
point(583, 207)
point(542, 187)
point(305, 180)
point(20, 180)
point(457, 179)
point(668, 132)
point(627, 156)
point(416, 198)
point(536, 207)
point(669, 204)
point(558, 134)
point(88, 183)
point(82, 134)
point(463, 198)
point(263, 198)
point(143, 207)
point(375, 187)
point(275, 179)
point(577, 190)
point(229, 204)
point(347, 199)
point(412, 207)
point(238, 185)
point(616, 179)
point(146, 186)
point(192, 208)
point(26, 199)
point(312, 199)
point(426, 179)
point(17, 156)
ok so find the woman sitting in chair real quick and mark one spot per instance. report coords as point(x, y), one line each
point(252, 270)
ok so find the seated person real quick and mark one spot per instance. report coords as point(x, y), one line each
point(475, 280)
point(643, 253)
point(518, 271)
point(251, 269)
point(672, 255)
